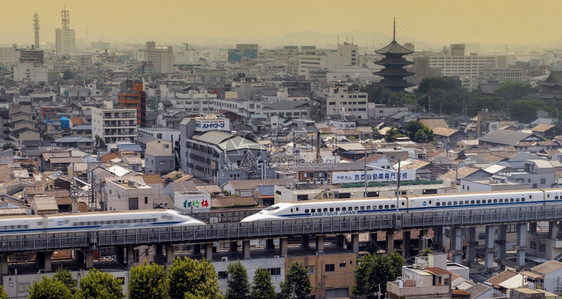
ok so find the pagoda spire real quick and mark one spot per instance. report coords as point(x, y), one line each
point(394, 31)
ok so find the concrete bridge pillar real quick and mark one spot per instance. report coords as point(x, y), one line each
point(490, 247)
point(209, 251)
point(283, 246)
point(269, 245)
point(438, 238)
point(389, 241)
point(553, 229)
point(233, 246)
point(43, 260)
point(456, 239)
point(471, 245)
point(501, 242)
point(320, 244)
point(354, 245)
point(521, 243)
point(246, 249)
point(305, 239)
point(159, 250)
point(340, 241)
point(169, 253)
point(422, 239)
point(4, 264)
point(406, 244)
point(121, 255)
point(197, 249)
point(130, 256)
point(533, 227)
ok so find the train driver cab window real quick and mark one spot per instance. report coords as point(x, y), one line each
point(272, 208)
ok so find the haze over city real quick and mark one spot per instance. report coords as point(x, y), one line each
point(279, 22)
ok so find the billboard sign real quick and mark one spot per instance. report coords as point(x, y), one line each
point(188, 203)
point(372, 176)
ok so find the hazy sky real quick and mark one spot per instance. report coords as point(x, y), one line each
point(498, 21)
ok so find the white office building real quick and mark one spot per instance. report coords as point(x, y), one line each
point(342, 102)
point(114, 124)
point(161, 58)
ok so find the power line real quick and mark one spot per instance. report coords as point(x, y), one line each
point(164, 32)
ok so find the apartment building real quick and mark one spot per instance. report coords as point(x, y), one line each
point(114, 124)
point(342, 102)
point(160, 58)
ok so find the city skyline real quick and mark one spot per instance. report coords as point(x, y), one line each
point(429, 21)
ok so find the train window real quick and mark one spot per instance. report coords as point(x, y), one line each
point(362, 208)
point(530, 196)
point(437, 203)
point(325, 210)
point(523, 198)
point(478, 201)
point(356, 208)
point(517, 200)
point(429, 201)
point(291, 210)
point(297, 209)
point(368, 207)
point(402, 203)
point(343, 209)
point(556, 197)
point(337, 209)
point(386, 206)
point(306, 211)
point(392, 206)
point(450, 203)
point(40, 223)
point(380, 207)
point(350, 209)
point(472, 202)
point(455, 203)
point(511, 199)
point(331, 209)
point(313, 210)
point(489, 201)
point(495, 200)
point(548, 196)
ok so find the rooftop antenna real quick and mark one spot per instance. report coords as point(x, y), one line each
point(36, 29)
point(65, 18)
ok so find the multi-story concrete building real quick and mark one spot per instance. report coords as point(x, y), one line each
point(65, 39)
point(130, 193)
point(161, 58)
point(114, 124)
point(219, 157)
point(132, 96)
point(342, 102)
point(29, 72)
point(313, 60)
point(243, 50)
point(8, 56)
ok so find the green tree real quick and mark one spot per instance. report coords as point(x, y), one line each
point(3, 294)
point(426, 251)
point(148, 281)
point(65, 276)
point(444, 95)
point(8, 145)
point(262, 287)
point(512, 91)
point(297, 281)
point(237, 281)
point(49, 288)
point(396, 262)
point(188, 277)
point(99, 285)
point(100, 143)
point(374, 271)
point(392, 134)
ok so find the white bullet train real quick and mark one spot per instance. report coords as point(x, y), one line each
point(72, 222)
point(371, 206)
